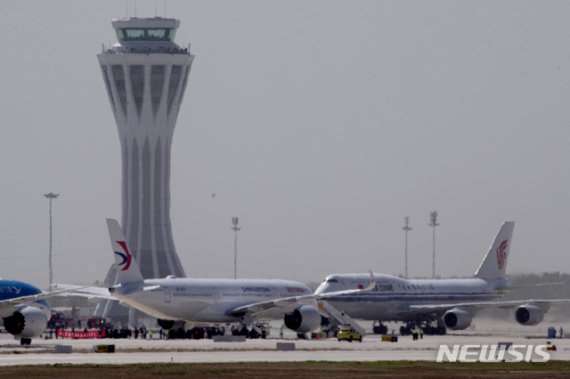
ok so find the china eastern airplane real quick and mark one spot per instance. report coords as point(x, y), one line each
point(23, 309)
point(450, 302)
point(209, 300)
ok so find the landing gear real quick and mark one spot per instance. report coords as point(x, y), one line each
point(379, 328)
point(434, 330)
point(240, 330)
point(254, 332)
point(329, 327)
point(330, 331)
point(428, 328)
point(406, 330)
point(25, 341)
point(198, 333)
point(165, 324)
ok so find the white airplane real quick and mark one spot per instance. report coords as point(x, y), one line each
point(208, 300)
point(450, 302)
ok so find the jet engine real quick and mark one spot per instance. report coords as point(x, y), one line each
point(304, 319)
point(27, 322)
point(529, 314)
point(457, 319)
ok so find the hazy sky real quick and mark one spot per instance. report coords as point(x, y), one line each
point(321, 124)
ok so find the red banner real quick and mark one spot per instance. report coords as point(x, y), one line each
point(80, 334)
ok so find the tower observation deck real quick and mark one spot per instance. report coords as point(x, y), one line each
point(146, 74)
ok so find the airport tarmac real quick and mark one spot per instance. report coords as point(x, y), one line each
point(207, 351)
point(483, 331)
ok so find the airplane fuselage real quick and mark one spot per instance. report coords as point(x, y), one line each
point(208, 300)
point(392, 297)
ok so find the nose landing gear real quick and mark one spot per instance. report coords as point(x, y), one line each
point(25, 341)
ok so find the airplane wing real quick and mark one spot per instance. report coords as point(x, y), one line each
point(283, 303)
point(290, 303)
point(30, 298)
point(486, 304)
point(87, 292)
point(92, 292)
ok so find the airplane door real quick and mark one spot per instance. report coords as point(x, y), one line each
point(167, 295)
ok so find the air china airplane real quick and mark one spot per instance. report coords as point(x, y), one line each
point(450, 302)
point(209, 300)
point(24, 310)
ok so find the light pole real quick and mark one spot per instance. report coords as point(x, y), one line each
point(434, 224)
point(406, 228)
point(236, 229)
point(51, 196)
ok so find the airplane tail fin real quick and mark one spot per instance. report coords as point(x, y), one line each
point(128, 271)
point(494, 266)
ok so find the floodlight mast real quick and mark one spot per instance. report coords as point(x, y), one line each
point(236, 229)
point(434, 224)
point(406, 228)
point(50, 196)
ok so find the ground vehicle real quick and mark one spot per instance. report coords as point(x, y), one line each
point(348, 334)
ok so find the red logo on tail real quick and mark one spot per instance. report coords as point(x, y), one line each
point(502, 255)
point(125, 255)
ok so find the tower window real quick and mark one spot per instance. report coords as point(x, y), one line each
point(134, 34)
point(146, 34)
point(157, 34)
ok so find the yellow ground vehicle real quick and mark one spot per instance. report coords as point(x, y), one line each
point(348, 334)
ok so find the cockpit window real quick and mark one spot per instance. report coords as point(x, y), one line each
point(332, 280)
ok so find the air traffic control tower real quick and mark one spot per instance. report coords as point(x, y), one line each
point(145, 74)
